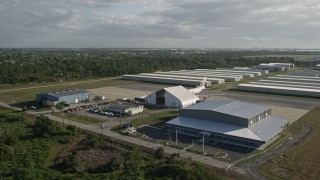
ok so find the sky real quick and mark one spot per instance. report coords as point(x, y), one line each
point(160, 23)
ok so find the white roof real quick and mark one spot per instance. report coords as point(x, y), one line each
point(183, 94)
point(302, 77)
point(285, 85)
point(279, 87)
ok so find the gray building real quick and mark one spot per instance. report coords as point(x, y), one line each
point(69, 96)
point(232, 122)
point(126, 108)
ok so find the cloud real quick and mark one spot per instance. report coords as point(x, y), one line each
point(160, 23)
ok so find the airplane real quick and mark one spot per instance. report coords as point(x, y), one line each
point(199, 88)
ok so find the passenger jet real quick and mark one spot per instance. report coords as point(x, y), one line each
point(199, 88)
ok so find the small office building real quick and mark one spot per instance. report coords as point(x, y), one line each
point(126, 108)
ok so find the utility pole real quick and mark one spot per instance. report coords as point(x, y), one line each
point(62, 119)
point(102, 126)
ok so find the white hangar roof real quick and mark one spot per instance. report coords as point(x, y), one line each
point(183, 94)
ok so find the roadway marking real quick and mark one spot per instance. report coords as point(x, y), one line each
point(188, 147)
point(153, 127)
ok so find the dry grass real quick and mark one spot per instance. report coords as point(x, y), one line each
point(302, 160)
point(24, 95)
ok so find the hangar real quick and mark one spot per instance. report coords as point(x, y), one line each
point(167, 80)
point(69, 96)
point(176, 96)
point(231, 122)
point(285, 84)
point(276, 66)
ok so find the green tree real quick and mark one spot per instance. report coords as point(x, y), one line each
point(43, 126)
point(60, 106)
point(73, 129)
point(8, 138)
point(6, 153)
point(160, 154)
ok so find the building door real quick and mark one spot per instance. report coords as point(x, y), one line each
point(76, 100)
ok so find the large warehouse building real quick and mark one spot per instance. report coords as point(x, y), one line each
point(285, 84)
point(69, 96)
point(193, 77)
point(177, 96)
point(166, 80)
point(232, 122)
point(276, 66)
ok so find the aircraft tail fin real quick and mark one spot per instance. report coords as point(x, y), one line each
point(203, 82)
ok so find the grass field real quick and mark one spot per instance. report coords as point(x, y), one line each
point(155, 118)
point(24, 95)
point(302, 160)
point(77, 118)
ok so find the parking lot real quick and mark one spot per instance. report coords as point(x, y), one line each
point(227, 152)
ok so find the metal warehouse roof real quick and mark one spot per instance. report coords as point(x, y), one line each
point(263, 130)
point(294, 76)
point(67, 92)
point(290, 82)
point(268, 127)
point(190, 82)
point(226, 74)
point(211, 126)
point(286, 85)
point(295, 79)
point(235, 108)
point(226, 78)
point(213, 80)
point(270, 86)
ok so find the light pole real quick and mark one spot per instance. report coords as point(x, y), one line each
point(203, 143)
point(62, 119)
point(102, 126)
point(176, 137)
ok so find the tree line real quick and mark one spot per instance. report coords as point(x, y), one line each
point(18, 66)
